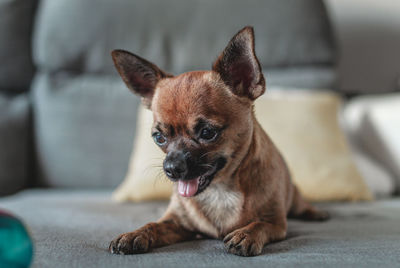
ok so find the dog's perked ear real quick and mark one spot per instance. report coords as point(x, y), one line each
point(238, 66)
point(140, 75)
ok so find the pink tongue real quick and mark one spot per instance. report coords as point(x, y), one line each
point(188, 188)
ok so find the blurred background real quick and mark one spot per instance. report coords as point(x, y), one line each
point(68, 123)
point(63, 105)
point(58, 85)
point(368, 37)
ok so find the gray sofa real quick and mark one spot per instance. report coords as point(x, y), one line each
point(67, 125)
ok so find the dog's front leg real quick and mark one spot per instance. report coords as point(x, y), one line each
point(152, 235)
point(251, 239)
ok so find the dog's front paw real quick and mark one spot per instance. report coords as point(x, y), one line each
point(131, 243)
point(243, 243)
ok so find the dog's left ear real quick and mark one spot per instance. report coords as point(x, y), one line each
point(238, 66)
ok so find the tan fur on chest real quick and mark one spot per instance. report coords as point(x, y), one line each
point(218, 208)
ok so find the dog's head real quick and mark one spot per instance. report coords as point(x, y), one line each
point(203, 119)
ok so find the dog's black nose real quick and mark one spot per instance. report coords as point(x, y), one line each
point(175, 165)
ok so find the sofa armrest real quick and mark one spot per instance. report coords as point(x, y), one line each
point(14, 143)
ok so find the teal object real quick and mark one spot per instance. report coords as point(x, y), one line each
point(16, 248)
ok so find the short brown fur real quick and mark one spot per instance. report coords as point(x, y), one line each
point(248, 201)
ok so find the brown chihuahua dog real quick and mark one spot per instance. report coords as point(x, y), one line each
point(231, 181)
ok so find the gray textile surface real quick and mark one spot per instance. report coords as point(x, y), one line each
point(16, 69)
point(304, 77)
point(84, 129)
point(74, 228)
point(14, 143)
point(178, 35)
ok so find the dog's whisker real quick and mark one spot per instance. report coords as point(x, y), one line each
point(205, 154)
point(159, 177)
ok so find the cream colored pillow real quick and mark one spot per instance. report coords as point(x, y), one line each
point(303, 125)
point(145, 179)
point(305, 128)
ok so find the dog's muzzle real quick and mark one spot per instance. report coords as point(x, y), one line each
point(192, 177)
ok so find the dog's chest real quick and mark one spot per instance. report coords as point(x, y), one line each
point(221, 207)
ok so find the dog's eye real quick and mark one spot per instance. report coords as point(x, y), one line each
point(159, 139)
point(208, 134)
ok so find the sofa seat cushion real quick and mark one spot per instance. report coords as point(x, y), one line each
point(74, 228)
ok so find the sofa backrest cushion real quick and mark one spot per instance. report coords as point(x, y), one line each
point(16, 68)
point(178, 35)
point(84, 127)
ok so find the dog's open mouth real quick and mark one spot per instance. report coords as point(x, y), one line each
point(188, 188)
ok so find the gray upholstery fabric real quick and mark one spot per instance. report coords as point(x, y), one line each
point(178, 35)
point(14, 143)
point(74, 228)
point(310, 77)
point(16, 69)
point(84, 128)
